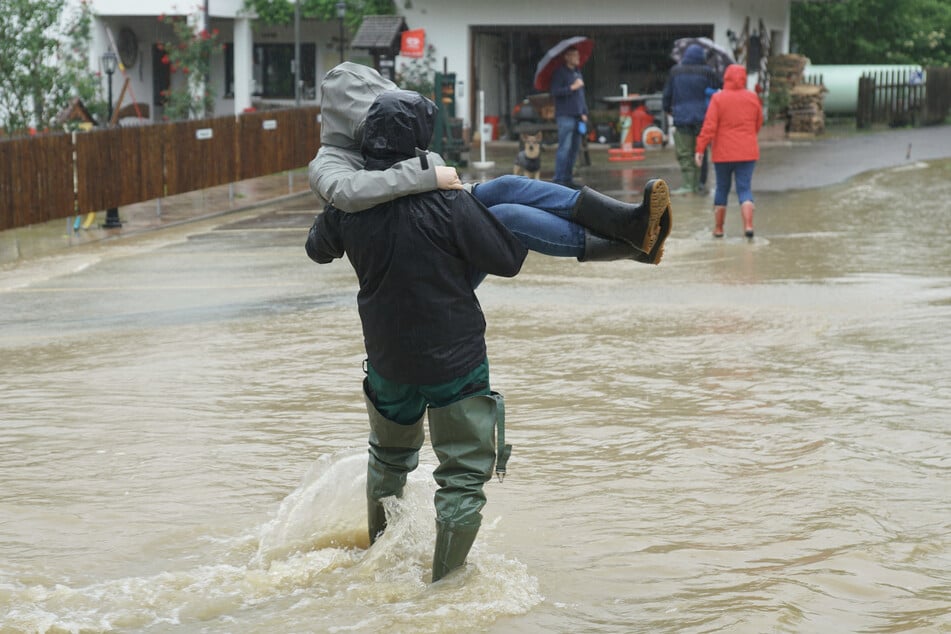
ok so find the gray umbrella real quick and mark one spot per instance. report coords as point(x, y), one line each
point(718, 57)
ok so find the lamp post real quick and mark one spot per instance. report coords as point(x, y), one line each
point(341, 14)
point(297, 53)
point(109, 64)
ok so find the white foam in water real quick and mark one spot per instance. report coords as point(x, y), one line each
point(327, 509)
point(309, 570)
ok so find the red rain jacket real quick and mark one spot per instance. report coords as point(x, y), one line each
point(733, 120)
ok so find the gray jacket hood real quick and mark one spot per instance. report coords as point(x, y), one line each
point(346, 94)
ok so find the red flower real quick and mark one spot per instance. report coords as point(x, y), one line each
point(165, 59)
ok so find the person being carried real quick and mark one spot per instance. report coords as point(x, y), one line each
point(732, 124)
point(424, 331)
point(546, 217)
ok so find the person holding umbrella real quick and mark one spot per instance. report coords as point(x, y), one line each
point(685, 98)
point(571, 114)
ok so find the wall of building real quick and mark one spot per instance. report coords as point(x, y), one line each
point(142, 19)
point(448, 22)
point(448, 26)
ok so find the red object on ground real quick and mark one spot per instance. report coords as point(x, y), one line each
point(493, 120)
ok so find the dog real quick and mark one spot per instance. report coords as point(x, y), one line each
point(529, 162)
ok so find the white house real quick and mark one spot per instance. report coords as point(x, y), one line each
point(490, 45)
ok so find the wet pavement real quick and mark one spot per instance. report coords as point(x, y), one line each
point(751, 437)
point(784, 165)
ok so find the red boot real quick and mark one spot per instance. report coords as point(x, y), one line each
point(747, 210)
point(719, 215)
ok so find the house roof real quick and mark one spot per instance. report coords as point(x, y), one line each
point(75, 111)
point(379, 32)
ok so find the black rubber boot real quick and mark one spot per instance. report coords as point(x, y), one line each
point(394, 452)
point(638, 225)
point(657, 252)
point(600, 249)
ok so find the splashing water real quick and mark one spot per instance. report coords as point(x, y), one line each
point(311, 558)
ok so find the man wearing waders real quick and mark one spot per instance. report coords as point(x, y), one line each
point(418, 259)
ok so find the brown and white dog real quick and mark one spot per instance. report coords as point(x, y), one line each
point(529, 162)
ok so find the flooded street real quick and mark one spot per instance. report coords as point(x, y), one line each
point(751, 437)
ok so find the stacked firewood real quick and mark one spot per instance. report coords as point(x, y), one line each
point(800, 104)
point(785, 71)
point(805, 109)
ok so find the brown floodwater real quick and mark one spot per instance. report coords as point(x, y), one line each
point(751, 437)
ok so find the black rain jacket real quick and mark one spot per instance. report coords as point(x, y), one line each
point(416, 258)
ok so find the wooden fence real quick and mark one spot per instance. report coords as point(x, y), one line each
point(937, 96)
point(903, 97)
point(59, 175)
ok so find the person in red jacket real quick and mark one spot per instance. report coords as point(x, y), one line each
point(732, 123)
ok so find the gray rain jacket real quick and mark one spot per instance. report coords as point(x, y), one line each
point(336, 174)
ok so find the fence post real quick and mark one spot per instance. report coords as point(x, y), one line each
point(863, 112)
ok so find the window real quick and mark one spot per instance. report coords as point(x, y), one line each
point(273, 70)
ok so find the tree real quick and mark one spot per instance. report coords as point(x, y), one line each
point(274, 12)
point(44, 63)
point(419, 74)
point(190, 54)
point(873, 31)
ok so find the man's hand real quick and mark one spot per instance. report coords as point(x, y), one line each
point(698, 158)
point(447, 177)
point(577, 84)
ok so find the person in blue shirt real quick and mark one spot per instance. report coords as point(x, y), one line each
point(567, 91)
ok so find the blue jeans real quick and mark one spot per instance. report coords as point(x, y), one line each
point(569, 142)
point(536, 212)
point(742, 171)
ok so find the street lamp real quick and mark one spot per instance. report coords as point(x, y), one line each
point(297, 53)
point(341, 14)
point(109, 64)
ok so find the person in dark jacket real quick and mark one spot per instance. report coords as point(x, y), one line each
point(418, 259)
point(567, 91)
point(686, 98)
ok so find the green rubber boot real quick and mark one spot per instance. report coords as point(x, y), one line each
point(394, 452)
point(463, 437)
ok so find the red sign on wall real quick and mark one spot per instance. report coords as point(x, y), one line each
point(413, 43)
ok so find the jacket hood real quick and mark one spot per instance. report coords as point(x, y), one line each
point(346, 93)
point(398, 122)
point(695, 54)
point(734, 78)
